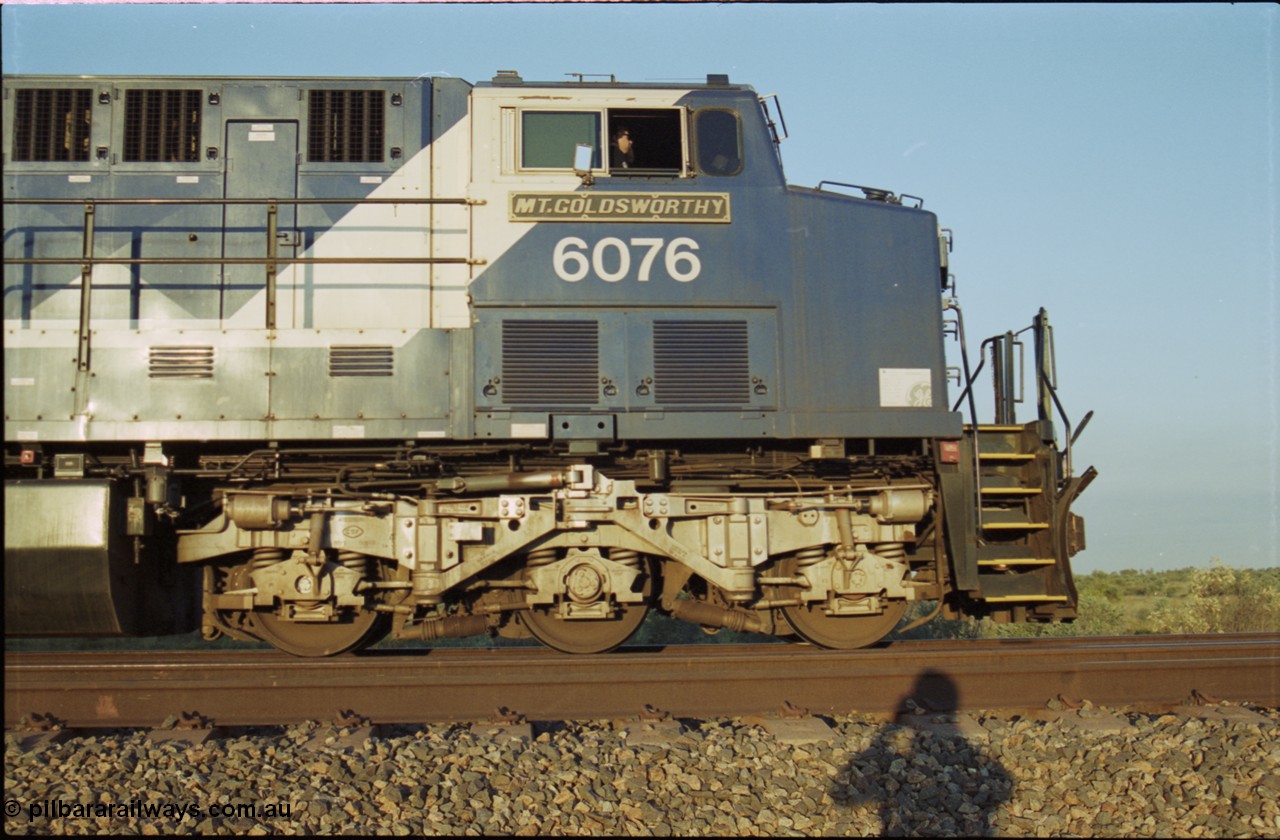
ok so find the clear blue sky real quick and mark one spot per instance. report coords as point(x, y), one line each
point(1116, 164)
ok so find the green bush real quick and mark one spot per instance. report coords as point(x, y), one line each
point(1223, 600)
point(1218, 599)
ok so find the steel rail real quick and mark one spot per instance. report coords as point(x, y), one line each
point(249, 688)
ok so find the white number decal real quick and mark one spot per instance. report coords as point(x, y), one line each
point(675, 257)
point(562, 256)
point(569, 259)
point(654, 245)
point(624, 260)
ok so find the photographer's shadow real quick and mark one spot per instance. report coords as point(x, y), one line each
point(925, 776)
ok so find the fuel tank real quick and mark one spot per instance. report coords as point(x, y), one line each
point(70, 571)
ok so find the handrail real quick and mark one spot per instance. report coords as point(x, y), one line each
point(1067, 436)
point(271, 261)
point(952, 304)
point(971, 379)
point(222, 201)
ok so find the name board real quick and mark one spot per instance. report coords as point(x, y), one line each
point(620, 207)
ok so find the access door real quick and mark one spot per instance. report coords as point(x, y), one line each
point(262, 163)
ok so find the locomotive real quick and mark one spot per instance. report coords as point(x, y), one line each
point(316, 361)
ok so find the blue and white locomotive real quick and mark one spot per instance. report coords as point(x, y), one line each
point(315, 361)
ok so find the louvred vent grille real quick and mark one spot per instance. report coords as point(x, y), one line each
point(701, 363)
point(361, 360)
point(550, 362)
point(181, 362)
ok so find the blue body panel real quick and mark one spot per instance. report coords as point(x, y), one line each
point(802, 301)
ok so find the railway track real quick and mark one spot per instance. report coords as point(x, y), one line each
point(253, 688)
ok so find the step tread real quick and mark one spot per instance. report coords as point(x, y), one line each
point(1005, 551)
point(1014, 526)
point(1018, 561)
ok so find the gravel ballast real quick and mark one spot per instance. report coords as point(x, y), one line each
point(1151, 775)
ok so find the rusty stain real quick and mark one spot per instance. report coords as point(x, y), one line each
point(106, 707)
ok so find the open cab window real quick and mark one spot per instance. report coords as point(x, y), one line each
point(657, 145)
point(548, 140)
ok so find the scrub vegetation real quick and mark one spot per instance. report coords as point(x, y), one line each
point(1216, 599)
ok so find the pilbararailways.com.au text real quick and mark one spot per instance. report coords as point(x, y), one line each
point(138, 809)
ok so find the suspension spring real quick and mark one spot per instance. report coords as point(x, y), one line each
point(541, 556)
point(264, 557)
point(892, 551)
point(625, 556)
point(355, 561)
point(809, 556)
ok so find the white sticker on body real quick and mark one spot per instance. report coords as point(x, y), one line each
point(906, 388)
point(528, 430)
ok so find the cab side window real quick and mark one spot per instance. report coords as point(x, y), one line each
point(548, 138)
point(656, 141)
point(718, 136)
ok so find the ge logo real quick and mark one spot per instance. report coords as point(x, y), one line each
point(920, 395)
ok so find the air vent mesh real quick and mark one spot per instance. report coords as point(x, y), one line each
point(701, 363)
point(345, 125)
point(361, 360)
point(162, 126)
point(51, 124)
point(550, 362)
point(181, 363)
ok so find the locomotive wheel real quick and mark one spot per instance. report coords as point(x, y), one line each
point(302, 638)
point(843, 632)
point(589, 635)
point(839, 632)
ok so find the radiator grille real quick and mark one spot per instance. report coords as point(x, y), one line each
point(701, 363)
point(361, 360)
point(51, 124)
point(551, 362)
point(162, 126)
point(181, 362)
point(345, 125)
